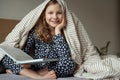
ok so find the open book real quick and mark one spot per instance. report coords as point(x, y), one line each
point(20, 57)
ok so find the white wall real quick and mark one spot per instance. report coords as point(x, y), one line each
point(98, 16)
point(17, 9)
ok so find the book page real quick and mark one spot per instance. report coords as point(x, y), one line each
point(20, 57)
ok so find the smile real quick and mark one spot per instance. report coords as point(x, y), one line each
point(55, 21)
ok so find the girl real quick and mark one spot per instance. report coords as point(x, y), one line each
point(52, 31)
point(47, 40)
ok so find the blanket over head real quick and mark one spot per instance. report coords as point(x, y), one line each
point(81, 47)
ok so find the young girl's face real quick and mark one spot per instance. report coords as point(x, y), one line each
point(53, 15)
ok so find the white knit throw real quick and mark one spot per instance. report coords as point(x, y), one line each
point(82, 50)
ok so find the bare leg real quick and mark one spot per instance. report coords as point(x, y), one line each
point(43, 71)
point(35, 75)
point(32, 74)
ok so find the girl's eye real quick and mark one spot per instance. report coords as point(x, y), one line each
point(59, 13)
point(53, 13)
point(50, 12)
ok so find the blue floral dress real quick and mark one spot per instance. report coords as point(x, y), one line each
point(58, 48)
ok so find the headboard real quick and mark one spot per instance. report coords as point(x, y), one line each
point(6, 25)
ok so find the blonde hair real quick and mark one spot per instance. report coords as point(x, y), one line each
point(42, 29)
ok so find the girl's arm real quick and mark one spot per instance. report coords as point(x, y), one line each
point(29, 45)
point(61, 46)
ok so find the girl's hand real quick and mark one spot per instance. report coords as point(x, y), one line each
point(59, 27)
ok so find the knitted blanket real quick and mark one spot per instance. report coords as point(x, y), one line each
point(82, 50)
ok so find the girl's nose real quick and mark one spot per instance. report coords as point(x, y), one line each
point(54, 16)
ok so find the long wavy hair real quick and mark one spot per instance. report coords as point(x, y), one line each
point(42, 28)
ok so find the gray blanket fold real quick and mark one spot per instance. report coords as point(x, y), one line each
point(18, 77)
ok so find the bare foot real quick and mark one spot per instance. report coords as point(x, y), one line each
point(47, 74)
point(8, 71)
point(50, 75)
